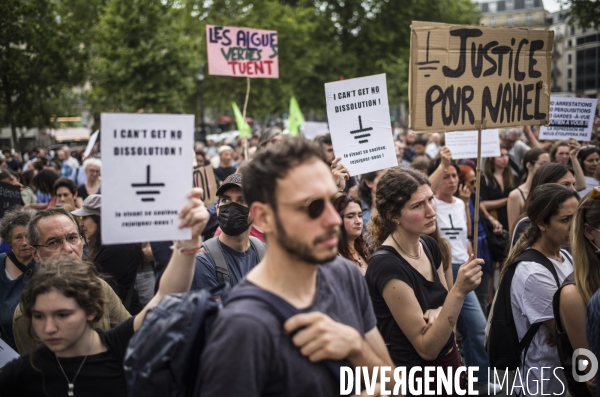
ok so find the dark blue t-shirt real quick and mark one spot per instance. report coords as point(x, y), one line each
point(249, 355)
point(240, 263)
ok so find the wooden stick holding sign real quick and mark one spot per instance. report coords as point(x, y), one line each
point(245, 138)
point(480, 126)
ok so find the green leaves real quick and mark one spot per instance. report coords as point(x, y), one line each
point(145, 55)
point(142, 59)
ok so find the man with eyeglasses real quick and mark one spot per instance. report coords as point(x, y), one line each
point(230, 255)
point(291, 194)
point(52, 233)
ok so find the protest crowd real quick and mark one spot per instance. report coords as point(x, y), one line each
point(379, 267)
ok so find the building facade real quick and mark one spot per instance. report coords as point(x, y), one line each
point(519, 13)
point(576, 52)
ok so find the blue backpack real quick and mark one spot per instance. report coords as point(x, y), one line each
point(163, 356)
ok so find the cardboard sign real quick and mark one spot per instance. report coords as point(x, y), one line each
point(570, 118)
point(461, 75)
point(7, 354)
point(242, 52)
point(10, 196)
point(146, 175)
point(359, 122)
point(204, 177)
point(463, 144)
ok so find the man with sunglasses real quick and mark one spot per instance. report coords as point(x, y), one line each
point(229, 256)
point(291, 194)
point(52, 233)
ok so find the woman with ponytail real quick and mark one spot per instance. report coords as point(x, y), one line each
point(515, 205)
point(551, 208)
point(405, 278)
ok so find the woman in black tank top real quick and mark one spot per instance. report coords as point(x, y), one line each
point(415, 312)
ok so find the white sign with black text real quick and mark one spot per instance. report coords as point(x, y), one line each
point(146, 176)
point(463, 144)
point(570, 118)
point(359, 122)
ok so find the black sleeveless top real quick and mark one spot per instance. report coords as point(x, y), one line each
point(429, 294)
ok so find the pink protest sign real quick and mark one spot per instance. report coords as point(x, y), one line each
point(242, 52)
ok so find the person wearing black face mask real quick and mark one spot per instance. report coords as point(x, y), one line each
point(230, 255)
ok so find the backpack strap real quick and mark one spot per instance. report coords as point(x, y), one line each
point(259, 248)
point(26, 270)
point(283, 310)
point(556, 303)
point(214, 250)
point(427, 251)
point(533, 255)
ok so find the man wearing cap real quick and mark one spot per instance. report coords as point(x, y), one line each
point(225, 167)
point(231, 255)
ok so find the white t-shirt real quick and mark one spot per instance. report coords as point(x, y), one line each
point(432, 149)
point(590, 184)
point(531, 294)
point(452, 226)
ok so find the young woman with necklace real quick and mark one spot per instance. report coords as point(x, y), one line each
point(351, 244)
point(63, 298)
point(406, 280)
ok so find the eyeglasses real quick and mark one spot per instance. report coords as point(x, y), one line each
point(315, 206)
point(55, 243)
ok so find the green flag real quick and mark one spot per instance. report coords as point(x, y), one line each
point(296, 118)
point(242, 126)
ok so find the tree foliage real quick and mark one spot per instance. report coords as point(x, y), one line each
point(145, 55)
point(583, 13)
point(35, 62)
point(142, 60)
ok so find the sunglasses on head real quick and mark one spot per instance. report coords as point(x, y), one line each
point(315, 206)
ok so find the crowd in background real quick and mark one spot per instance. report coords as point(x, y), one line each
point(408, 230)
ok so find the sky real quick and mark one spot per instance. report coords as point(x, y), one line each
point(549, 5)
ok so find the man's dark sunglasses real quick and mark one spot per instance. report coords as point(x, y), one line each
point(315, 206)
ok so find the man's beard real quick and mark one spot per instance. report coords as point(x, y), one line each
point(300, 250)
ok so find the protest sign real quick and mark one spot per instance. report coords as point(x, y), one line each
point(463, 144)
point(7, 354)
point(91, 143)
point(146, 176)
point(359, 122)
point(204, 177)
point(570, 118)
point(242, 52)
point(10, 196)
point(462, 75)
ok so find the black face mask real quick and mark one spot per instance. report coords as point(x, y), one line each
point(233, 219)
